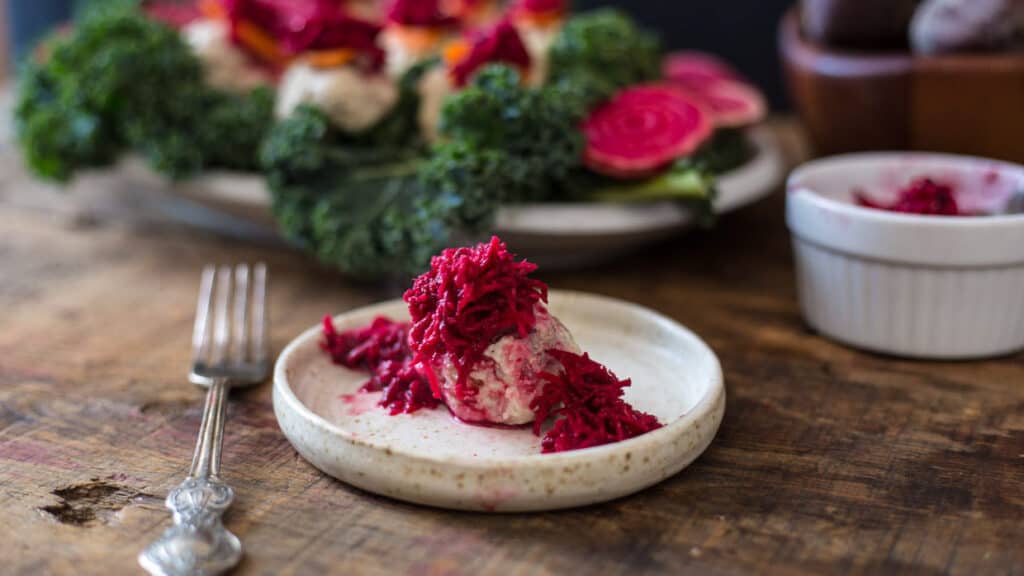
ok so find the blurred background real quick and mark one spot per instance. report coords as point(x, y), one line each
point(742, 31)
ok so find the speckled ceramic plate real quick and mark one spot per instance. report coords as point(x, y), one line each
point(430, 458)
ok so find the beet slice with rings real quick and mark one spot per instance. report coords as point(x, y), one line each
point(644, 128)
point(732, 101)
point(733, 104)
point(697, 69)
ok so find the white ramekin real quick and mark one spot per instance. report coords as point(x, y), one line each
point(902, 284)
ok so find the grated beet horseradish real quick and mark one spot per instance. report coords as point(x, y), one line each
point(922, 196)
point(482, 342)
point(381, 349)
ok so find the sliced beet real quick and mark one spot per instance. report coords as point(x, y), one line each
point(419, 13)
point(696, 69)
point(733, 104)
point(731, 101)
point(644, 128)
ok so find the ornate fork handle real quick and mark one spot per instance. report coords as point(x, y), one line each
point(198, 543)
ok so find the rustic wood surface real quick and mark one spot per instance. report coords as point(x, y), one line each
point(828, 461)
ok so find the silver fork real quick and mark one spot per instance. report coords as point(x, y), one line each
point(223, 356)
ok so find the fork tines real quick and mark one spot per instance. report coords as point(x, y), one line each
point(229, 336)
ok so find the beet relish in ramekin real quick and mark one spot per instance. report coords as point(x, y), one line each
point(911, 254)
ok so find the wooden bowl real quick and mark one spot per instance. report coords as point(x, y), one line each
point(853, 101)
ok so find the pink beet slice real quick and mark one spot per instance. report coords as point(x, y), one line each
point(733, 104)
point(644, 128)
point(696, 69)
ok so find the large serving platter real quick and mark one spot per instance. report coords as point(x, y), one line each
point(551, 234)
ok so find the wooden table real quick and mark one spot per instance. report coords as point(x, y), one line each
point(828, 461)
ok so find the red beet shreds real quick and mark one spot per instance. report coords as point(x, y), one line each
point(419, 13)
point(301, 25)
point(403, 388)
point(470, 298)
point(586, 400)
point(499, 44)
point(367, 347)
point(552, 7)
point(922, 196)
point(644, 128)
point(381, 349)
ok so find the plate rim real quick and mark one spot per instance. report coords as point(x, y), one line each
point(713, 396)
point(225, 191)
point(672, 215)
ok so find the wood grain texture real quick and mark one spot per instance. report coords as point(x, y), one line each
point(828, 461)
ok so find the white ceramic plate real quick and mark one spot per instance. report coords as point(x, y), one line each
point(429, 458)
point(549, 234)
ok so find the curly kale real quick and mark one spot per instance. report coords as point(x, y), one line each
point(60, 133)
point(233, 126)
point(358, 207)
point(356, 200)
point(599, 52)
point(120, 82)
point(294, 157)
point(504, 143)
point(476, 180)
point(374, 210)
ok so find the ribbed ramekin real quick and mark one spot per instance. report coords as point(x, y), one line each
point(903, 284)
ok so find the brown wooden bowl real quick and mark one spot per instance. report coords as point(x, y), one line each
point(852, 101)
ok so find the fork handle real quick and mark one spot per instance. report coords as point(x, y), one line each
point(198, 543)
point(206, 459)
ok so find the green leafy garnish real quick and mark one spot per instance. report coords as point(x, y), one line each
point(504, 143)
point(360, 208)
point(599, 52)
point(120, 82)
point(374, 210)
point(375, 203)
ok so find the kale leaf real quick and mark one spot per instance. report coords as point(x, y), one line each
point(357, 200)
point(504, 144)
point(120, 82)
point(358, 207)
point(599, 52)
point(375, 210)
